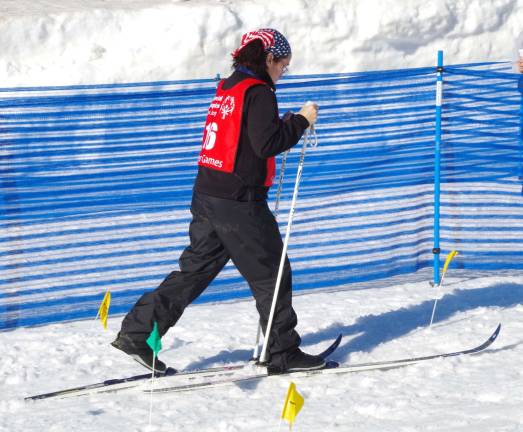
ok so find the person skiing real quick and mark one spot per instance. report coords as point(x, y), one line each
point(231, 219)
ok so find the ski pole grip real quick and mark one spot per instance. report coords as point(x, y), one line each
point(312, 129)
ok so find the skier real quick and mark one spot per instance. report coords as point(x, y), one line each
point(230, 215)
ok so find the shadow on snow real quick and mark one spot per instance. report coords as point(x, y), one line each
point(373, 330)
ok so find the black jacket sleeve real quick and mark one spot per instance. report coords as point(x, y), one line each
point(268, 134)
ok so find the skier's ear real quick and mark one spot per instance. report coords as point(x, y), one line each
point(270, 59)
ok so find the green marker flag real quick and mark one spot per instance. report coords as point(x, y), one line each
point(154, 340)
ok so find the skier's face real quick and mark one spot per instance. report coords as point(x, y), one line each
point(277, 67)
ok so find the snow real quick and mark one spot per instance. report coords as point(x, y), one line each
point(480, 393)
point(57, 43)
point(46, 42)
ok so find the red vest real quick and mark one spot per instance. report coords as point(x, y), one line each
point(222, 130)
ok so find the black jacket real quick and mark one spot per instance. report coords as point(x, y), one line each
point(262, 135)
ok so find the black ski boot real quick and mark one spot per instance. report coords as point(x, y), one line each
point(294, 361)
point(139, 352)
point(300, 361)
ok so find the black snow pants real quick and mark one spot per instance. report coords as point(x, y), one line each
point(221, 229)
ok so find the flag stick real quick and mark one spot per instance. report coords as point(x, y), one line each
point(440, 284)
point(151, 396)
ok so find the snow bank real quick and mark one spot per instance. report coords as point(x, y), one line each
point(57, 43)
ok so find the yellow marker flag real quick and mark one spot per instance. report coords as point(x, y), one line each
point(447, 262)
point(103, 311)
point(293, 403)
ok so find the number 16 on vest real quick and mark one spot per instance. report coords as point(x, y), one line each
point(210, 135)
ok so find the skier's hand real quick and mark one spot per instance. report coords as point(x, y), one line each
point(310, 112)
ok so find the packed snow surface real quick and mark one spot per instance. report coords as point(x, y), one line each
point(481, 393)
point(51, 42)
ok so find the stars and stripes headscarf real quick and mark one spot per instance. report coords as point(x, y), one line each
point(273, 41)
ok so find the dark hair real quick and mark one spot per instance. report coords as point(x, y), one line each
point(254, 57)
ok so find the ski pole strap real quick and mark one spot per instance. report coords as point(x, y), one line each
point(312, 132)
point(280, 184)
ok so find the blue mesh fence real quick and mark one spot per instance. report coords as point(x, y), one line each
point(96, 184)
point(482, 157)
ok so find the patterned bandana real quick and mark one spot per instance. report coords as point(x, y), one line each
point(273, 41)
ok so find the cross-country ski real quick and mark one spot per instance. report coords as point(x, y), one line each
point(116, 384)
point(227, 375)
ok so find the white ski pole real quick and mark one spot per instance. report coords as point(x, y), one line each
point(256, 349)
point(263, 356)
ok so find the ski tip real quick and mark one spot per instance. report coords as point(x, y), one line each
point(331, 348)
point(496, 332)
